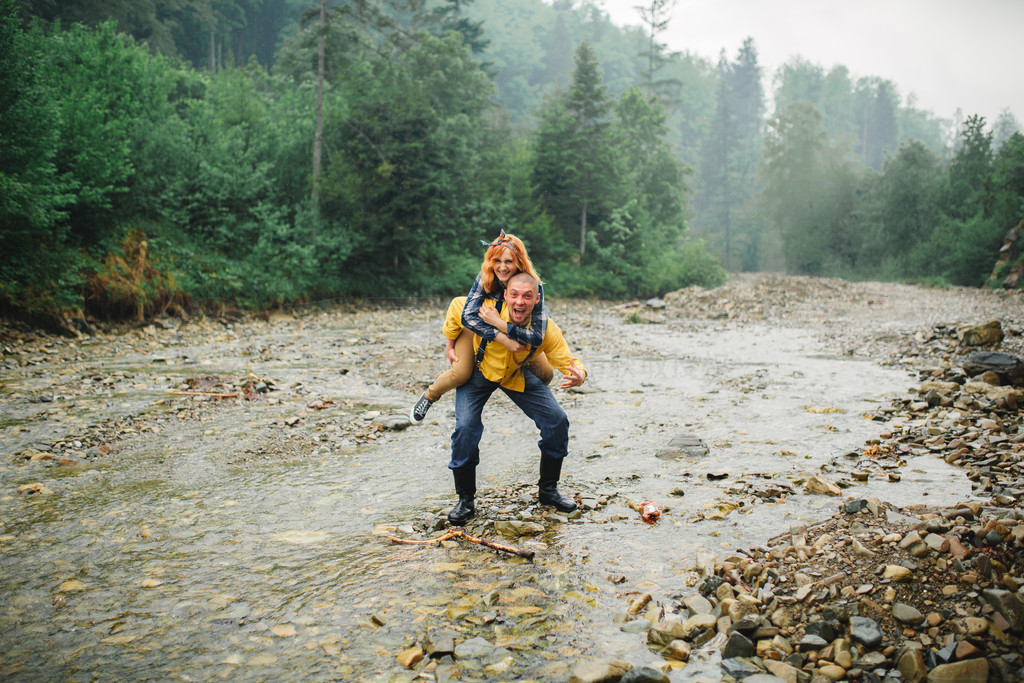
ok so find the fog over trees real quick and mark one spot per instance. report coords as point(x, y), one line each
point(161, 153)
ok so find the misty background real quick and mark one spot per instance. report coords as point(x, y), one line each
point(166, 154)
point(943, 56)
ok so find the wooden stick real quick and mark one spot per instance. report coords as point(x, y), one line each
point(203, 393)
point(459, 533)
point(452, 533)
point(528, 554)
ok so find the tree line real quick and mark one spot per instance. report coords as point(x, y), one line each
point(133, 181)
point(892, 202)
point(161, 153)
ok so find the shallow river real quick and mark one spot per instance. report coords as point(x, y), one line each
point(223, 539)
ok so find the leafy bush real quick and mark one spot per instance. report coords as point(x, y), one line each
point(129, 282)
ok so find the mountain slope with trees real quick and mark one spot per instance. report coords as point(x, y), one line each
point(161, 154)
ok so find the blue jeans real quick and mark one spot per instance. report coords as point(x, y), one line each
point(536, 401)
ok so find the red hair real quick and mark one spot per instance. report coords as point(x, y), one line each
point(520, 258)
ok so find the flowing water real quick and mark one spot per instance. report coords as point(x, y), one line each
point(223, 539)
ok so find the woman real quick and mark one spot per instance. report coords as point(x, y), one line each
point(480, 315)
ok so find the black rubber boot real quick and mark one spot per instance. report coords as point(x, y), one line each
point(548, 494)
point(465, 486)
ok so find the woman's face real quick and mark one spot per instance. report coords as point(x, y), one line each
point(505, 266)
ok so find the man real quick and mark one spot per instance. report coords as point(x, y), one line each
point(501, 368)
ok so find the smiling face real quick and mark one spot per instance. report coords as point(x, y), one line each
point(521, 296)
point(505, 257)
point(504, 265)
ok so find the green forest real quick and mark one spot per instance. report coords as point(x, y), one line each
point(168, 155)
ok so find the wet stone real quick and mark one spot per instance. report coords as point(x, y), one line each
point(684, 445)
point(906, 613)
point(827, 629)
point(865, 631)
point(664, 632)
point(474, 647)
point(871, 660)
point(852, 507)
point(738, 645)
point(822, 486)
point(636, 626)
point(644, 674)
point(779, 671)
point(698, 604)
point(811, 642)
point(1009, 368)
point(599, 671)
point(976, 626)
point(410, 657)
point(699, 622)
point(741, 668)
point(968, 671)
point(1009, 605)
point(516, 529)
point(982, 335)
point(679, 650)
point(439, 643)
point(392, 423)
point(965, 649)
point(936, 542)
point(911, 665)
point(832, 672)
point(897, 573)
point(747, 623)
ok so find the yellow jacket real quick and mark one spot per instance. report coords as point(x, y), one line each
point(501, 365)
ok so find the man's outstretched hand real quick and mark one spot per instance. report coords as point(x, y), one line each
point(575, 377)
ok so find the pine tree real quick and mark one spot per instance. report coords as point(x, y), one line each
point(730, 156)
point(576, 164)
point(656, 15)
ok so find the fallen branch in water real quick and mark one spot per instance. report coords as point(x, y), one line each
point(528, 554)
point(203, 393)
point(459, 533)
point(452, 533)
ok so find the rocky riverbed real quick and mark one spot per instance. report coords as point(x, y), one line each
point(844, 560)
point(877, 592)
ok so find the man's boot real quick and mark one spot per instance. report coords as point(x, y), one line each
point(550, 471)
point(465, 486)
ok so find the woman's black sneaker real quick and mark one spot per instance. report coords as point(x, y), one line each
point(419, 411)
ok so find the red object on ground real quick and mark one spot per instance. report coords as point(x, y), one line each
point(649, 512)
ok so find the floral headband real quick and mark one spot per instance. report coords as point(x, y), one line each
point(502, 241)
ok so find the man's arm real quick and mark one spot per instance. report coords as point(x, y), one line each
point(557, 351)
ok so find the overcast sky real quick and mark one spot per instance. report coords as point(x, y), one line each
point(949, 53)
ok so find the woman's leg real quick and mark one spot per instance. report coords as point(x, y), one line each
point(540, 367)
point(459, 373)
